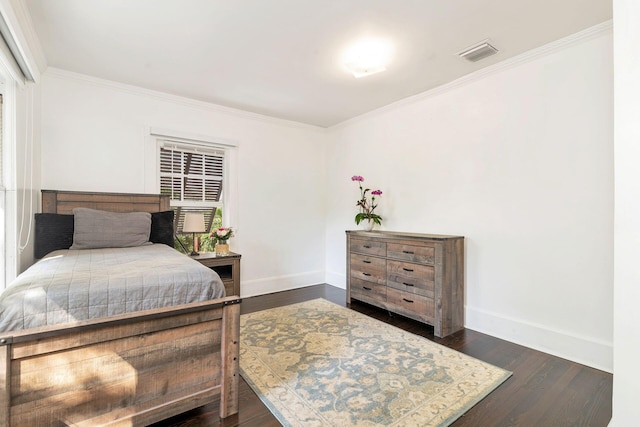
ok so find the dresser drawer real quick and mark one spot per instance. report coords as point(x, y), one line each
point(411, 305)
point(369, 268)
point(369, 247)
point(412, 253)
point(372, 293)
point(413, 278)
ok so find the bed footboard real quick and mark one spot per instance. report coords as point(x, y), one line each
point(133, 369)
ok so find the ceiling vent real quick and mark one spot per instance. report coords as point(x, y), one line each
point(478, 51)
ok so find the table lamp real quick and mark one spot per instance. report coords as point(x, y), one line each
point(193, 223)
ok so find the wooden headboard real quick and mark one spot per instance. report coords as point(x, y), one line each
point(63, 202)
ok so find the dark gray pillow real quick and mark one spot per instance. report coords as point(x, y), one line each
point(94, 229)
point(53, 232)
point(162, 228)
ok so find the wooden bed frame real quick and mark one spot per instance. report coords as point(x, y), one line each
point(132, 369)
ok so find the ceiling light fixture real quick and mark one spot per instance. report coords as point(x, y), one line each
point(367, 57)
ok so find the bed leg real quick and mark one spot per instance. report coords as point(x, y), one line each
point(5, 383)
point(230, 363)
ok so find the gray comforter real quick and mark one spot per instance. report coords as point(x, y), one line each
point(72, 285)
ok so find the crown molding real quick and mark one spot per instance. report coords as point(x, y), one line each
point(61, 74)
point(605, 28)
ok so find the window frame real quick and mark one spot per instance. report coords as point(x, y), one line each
point(179, 158)
point(8, 209)
point(158, 137)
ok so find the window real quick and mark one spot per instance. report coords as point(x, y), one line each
point(9, 213)
point(17, 69)
point(193, 175)
point(3, 276)
point(1, 157)
point(198, 174)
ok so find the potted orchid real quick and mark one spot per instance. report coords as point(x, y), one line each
point(221, 236)
point(367, 205)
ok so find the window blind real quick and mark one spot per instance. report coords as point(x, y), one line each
point(192, 175)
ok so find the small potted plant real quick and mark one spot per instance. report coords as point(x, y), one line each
point(367, 206)
point(222, 236)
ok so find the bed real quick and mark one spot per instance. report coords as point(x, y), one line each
point(132, 367)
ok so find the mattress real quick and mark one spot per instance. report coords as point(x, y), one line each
point(73, 285)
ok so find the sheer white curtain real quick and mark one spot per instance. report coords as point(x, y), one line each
point(16, 77)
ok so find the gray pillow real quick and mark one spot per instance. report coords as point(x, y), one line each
point(94, 229)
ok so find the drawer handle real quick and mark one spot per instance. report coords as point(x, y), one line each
point(366, 246)
point(366, 261)
point(407, 300)
point(408, 252)
point(408, 284)
point(366, 274)
point(366, 289)
point(407, 269)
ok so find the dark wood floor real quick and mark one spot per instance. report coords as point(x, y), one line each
point(543, 391)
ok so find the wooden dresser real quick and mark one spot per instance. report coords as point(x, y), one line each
point(420, 276)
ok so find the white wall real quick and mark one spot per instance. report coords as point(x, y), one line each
point(518, 159)
point(626, 387)
point(93, 139)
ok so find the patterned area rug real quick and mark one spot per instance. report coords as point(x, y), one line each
point(320, 364)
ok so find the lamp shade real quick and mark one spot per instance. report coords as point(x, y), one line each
point(193, 223)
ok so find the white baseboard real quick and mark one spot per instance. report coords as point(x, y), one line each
point(268, 285)
point(338, 280)
point(584, 350)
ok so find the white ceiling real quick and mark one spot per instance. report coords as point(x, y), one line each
point(282, 57)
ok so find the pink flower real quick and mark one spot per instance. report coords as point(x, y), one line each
point(366, 204)
point(222, 233)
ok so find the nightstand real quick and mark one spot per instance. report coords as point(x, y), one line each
point(227, 267)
